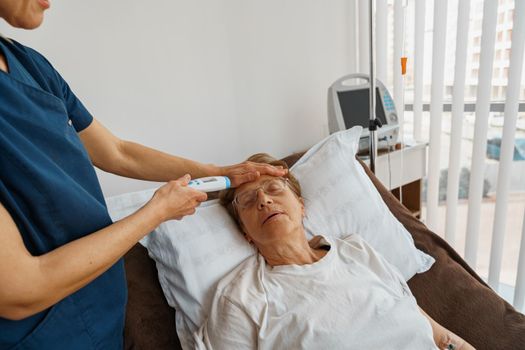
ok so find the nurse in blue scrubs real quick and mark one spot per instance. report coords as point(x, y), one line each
point(62, 282)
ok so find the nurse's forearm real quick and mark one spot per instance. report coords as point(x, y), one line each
point(129, 159)
point(68, 268)
point(141, 162)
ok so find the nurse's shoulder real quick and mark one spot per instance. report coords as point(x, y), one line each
point(36, 56)
point(40, 68)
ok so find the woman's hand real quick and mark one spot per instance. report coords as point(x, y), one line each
point(443, 337)
point(176, 200)
point(249, 171)
point(458, 342)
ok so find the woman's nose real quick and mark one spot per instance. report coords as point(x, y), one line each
point(263, 199)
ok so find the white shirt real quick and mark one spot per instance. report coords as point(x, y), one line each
point(352, 298)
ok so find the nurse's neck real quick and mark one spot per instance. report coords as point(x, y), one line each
point(3, 63)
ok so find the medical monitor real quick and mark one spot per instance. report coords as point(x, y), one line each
point(355, 107)
point(348, 106)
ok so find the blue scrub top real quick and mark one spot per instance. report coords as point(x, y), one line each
point(49, 187)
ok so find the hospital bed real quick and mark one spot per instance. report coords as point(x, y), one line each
point(450, 292)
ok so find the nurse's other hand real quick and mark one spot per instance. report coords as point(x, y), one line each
point(176, 200)
point(250, 171)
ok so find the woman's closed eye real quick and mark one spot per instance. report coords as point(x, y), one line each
point(274, 187)
point(249, 197)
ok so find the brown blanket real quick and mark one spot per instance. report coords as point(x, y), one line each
point(450, 292)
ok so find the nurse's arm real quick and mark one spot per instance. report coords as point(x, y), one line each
point(130, 159)
point(443, 337)
point(30, 284)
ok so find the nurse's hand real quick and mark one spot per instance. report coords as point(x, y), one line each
point(176, 200)
point(250, 171)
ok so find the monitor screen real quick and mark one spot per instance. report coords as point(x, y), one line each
point(355, 107)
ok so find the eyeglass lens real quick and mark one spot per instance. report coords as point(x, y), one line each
point(271, 187)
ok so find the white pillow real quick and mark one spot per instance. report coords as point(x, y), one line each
point(193, 254)
point(340, 199)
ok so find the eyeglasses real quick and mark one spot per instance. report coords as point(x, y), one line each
point(271, 187)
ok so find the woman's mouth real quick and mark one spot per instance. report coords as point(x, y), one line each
point(271, 217)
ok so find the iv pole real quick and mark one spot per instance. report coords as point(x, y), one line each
point(374, 123)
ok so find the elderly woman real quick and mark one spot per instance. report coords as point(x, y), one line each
point(322, 293)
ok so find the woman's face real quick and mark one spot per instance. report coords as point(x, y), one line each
point(25, 14)
point(270, 215)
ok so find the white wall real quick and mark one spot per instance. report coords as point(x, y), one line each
point(210, 80)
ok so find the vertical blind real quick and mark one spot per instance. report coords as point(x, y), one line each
point(440, 36)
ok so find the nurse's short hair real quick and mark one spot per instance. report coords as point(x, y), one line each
point(226, 196)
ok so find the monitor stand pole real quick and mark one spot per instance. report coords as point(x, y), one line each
point(373, 123)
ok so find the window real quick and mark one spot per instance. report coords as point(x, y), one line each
point(448, 92)
point(479, 7)
point(501, 18)
point(477, 41)
point(495, 90)
point(471, 92)
point(477, 24)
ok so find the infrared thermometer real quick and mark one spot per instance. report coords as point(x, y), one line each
point(210, 183)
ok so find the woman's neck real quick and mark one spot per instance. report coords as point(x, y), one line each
point(292, 250)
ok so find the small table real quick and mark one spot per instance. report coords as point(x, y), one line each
point(408, 167)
